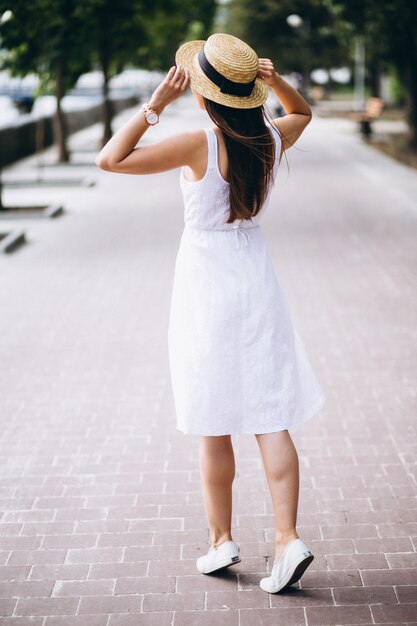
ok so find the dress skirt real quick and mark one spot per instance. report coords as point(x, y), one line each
point(237, 364)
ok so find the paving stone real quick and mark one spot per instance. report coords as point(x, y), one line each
point(145, 584)
point(22, 621)
point(110, 604)
point(12, 572)
point(271, 617)
point(162, 618)
point(383, 614)
point(406, 594)
point(7, 606)
point(36, 557)
point(254, 598)
point(192, 600)
point(331, 615)
point(83, 587)
point(26, 588)
point(76, 620)
point(59, 572)
point(364, 595)
point(192, 618)
point(46, 606)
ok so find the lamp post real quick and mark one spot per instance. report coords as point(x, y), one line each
point(5, 17)
point(359, 90)
point(303, 27)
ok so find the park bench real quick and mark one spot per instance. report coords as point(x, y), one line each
point(373, 110)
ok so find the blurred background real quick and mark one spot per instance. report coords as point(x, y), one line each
point(67, 64)
point(101, 510)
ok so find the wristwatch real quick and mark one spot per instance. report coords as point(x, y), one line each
point(151, 116)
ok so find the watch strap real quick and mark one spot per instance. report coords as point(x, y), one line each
point(147, 109)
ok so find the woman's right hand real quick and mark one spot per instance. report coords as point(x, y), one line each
point(267, 72)
point(172, 87)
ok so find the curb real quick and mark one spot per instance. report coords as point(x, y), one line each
point(11, 240)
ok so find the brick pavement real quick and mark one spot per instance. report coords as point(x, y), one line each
point(102, 512)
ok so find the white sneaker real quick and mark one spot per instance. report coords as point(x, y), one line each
point(290, 567)
point(224, 555)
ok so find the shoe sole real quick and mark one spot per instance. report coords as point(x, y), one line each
point(298, 572)
point(223, 565)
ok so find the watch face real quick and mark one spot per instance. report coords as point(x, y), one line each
point(152, 118)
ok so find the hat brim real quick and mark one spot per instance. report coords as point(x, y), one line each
point(187, 54)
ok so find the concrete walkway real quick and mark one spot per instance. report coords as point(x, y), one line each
point(102, 512)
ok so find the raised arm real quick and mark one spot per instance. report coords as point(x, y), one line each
point(121, 153)
point(298, 111)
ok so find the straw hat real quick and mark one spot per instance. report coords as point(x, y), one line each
point(223, 69)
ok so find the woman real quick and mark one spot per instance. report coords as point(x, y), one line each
point(237, 364)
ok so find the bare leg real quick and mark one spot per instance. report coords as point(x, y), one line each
point(280, 461)
point(217, 469)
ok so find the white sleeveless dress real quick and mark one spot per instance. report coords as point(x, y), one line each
point(237, 364)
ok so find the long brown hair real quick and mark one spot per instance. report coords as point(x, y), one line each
point(251, 154)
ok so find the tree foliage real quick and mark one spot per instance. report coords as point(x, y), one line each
point(264, 26)
point(389, 29)
point(42, 33)
point(171, 23)
point(61, 39)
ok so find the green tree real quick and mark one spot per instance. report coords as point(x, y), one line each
point(47, 38)
point(115, 32)
point(389, 29)
point(264, 26)
point(171, 23)
point(60, 40)
point(137, 32)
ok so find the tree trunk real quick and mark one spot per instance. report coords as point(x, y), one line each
point(1, 171)
point(107, 105)
point(40, 140)
point(60, 127)
point(375, 78)
point(1, 189)
point(411, 97)
point(327, 89)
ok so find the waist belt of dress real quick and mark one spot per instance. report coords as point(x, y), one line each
point(241, 234)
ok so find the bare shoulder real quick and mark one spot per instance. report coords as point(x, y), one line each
point(193, 137)
point(195, 144)
point(185, 141)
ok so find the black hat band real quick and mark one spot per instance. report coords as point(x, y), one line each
point(226, 85)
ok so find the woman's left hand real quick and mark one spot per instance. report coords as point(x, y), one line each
point(172, 87)
point(267, 72)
